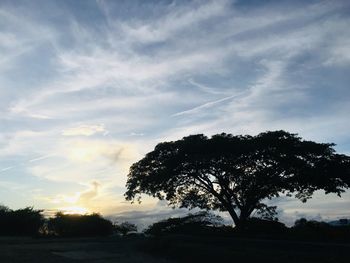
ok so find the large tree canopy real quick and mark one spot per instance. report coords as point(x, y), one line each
point(237, 173)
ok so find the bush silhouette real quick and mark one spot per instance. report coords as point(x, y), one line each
point(315, 230)
point(21, 222)
point(304, 224)
point(79, 225)
point(192, 223)
point(125, 228)
point(258, 226)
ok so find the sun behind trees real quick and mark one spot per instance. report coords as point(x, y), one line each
point(238, 173)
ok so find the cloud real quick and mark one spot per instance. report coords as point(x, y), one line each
point(6, 169)
point(91, 150)
point(21, 143)
point(89, 194)
point(207, 89)
point(178, 19)
point(85, 130)
point(81, 202)
point(40, 158)
point(136, 134)
point(156, 212)
point(144, 218)
point(204, 106)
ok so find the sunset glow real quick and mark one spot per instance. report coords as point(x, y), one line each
point(74, 210)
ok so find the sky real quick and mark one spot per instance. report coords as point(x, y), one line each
point(88, 87)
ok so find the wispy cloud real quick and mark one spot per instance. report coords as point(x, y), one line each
point(41, 158)
point(205, 106)
point(6, 169)
point(85, 130)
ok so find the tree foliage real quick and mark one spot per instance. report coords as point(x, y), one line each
point(22, 222)
point(237, 173)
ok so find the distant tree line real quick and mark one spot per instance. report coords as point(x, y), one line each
point(31, 222)
point(207, 224)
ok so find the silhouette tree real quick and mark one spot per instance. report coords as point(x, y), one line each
point(21, 222)
point(237, 173)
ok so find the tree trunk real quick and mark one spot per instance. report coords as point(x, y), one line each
point(241, 220)
point(233, 215)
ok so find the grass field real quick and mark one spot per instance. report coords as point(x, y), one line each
point(169, 249)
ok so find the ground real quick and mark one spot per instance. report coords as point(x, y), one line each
point(168, 249)
point(69, 250)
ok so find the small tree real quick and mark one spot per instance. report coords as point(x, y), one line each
point(237, 173)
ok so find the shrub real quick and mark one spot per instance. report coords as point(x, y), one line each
point(305, 225)
point(192, 223)
point(258, 226)
point(125, 228)
point(79, 225)
point(315, 230)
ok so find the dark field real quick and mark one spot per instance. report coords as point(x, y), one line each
point(170, 248)
point(73, 250)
